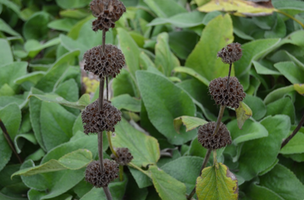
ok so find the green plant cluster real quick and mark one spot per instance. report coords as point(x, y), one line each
point(170, 50)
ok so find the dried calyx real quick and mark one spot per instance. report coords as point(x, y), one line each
point(96, 121)
point(124, 156)
point(99, 179)
point(209, 141)
point(107, 13)
point(104, 64)
point(231, 53)
point(232, 97)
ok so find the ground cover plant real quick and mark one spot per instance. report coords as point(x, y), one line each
point(161, 103)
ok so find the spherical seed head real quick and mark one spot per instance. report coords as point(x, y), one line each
point(104, 64)
point(232, 97)
point(95, 121)
point(124, 156)
point(107, 13)
point(231, 53)
point(210, 141)
point(99, 179)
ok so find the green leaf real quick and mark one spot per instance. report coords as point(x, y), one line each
point(282, 106)
point(69, 4)
point(11, 5)
point(291, 71)
point(130, 50)
point(10, 72)
point(256, 105)
point(176, 169)
point(289, 5)
point(72, 161)
point(144, 148)
point(56, 124)
point(28, 136)
point(6, 151)
point(193, 73)
point(165, 61)
point(33, 77)
point(123, 84)
point(65, 24)
point(52, 77)
point(166, 8)
point(126, 102)
point(250, 131)
point(257, 192)
point(6, 90)
point(11, 118)
point(74, 13)
point(116, 188)
point(182, 20)
point(283, 182)
point(295, 145)
point(6, 55)
point(299, 88)
point(243, 112)
point(253, 51)
point(183, 48)
point(217, 183)
point(252, 162)
point(190, 123)
point(217, 34)
point(278, 94)
point(166, 186)
point(161, 103)
point(4, 27)
point(33, 47)
point(141, 178)
point(261, 69)
point(36, 26)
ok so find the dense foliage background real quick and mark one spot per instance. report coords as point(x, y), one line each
point(170, 48)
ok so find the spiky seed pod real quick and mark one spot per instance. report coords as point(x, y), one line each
point(232, 97)
point(104, 64)
point(107, 13)
point(124, 156)
point(210, 141)
point(95, 121)
point(99, 179)
point(231, 53)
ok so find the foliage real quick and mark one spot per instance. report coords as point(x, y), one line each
point(170, 49)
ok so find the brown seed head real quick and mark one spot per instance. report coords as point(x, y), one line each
point(232, 97)
point(99, 179)
point(104, 64)
point(210, 141)
point(231, 53)
point(124, 156)
point(95, 121)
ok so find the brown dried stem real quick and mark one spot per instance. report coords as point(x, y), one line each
point(293, 133)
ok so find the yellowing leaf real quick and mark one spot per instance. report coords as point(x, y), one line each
point(189, 122)
point(217, 183)
point(238, 7)
point(299, 88)
point(243, 112)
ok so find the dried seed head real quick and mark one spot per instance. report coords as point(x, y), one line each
point(95, 121)
point(99, 179)
point(232, 97)
point(210, 141)
point(107, 13)
point(124, 156)
point(231, 53)
point(104, 64)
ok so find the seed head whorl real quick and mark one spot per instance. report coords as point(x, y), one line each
point(219, 140)
point(231, 53)
point(104, 65)
point(99, 179)
point(124, 156)
point(95, 121)
point(107, 13)
point(232, 98)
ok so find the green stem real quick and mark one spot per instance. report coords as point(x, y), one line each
point(214, 159)
point(110, 144)
point(291, 17)
point(121, 172)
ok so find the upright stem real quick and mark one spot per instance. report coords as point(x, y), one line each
point(121, 172)
point(103, 41)
point(230, 65)
point(100, 151)
point(108, 193)
point(293, 133)
point(219, 120)
point(110, 144)
point(214, 159)
point(101, 87)
point(107, 87)
point(9, 141)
